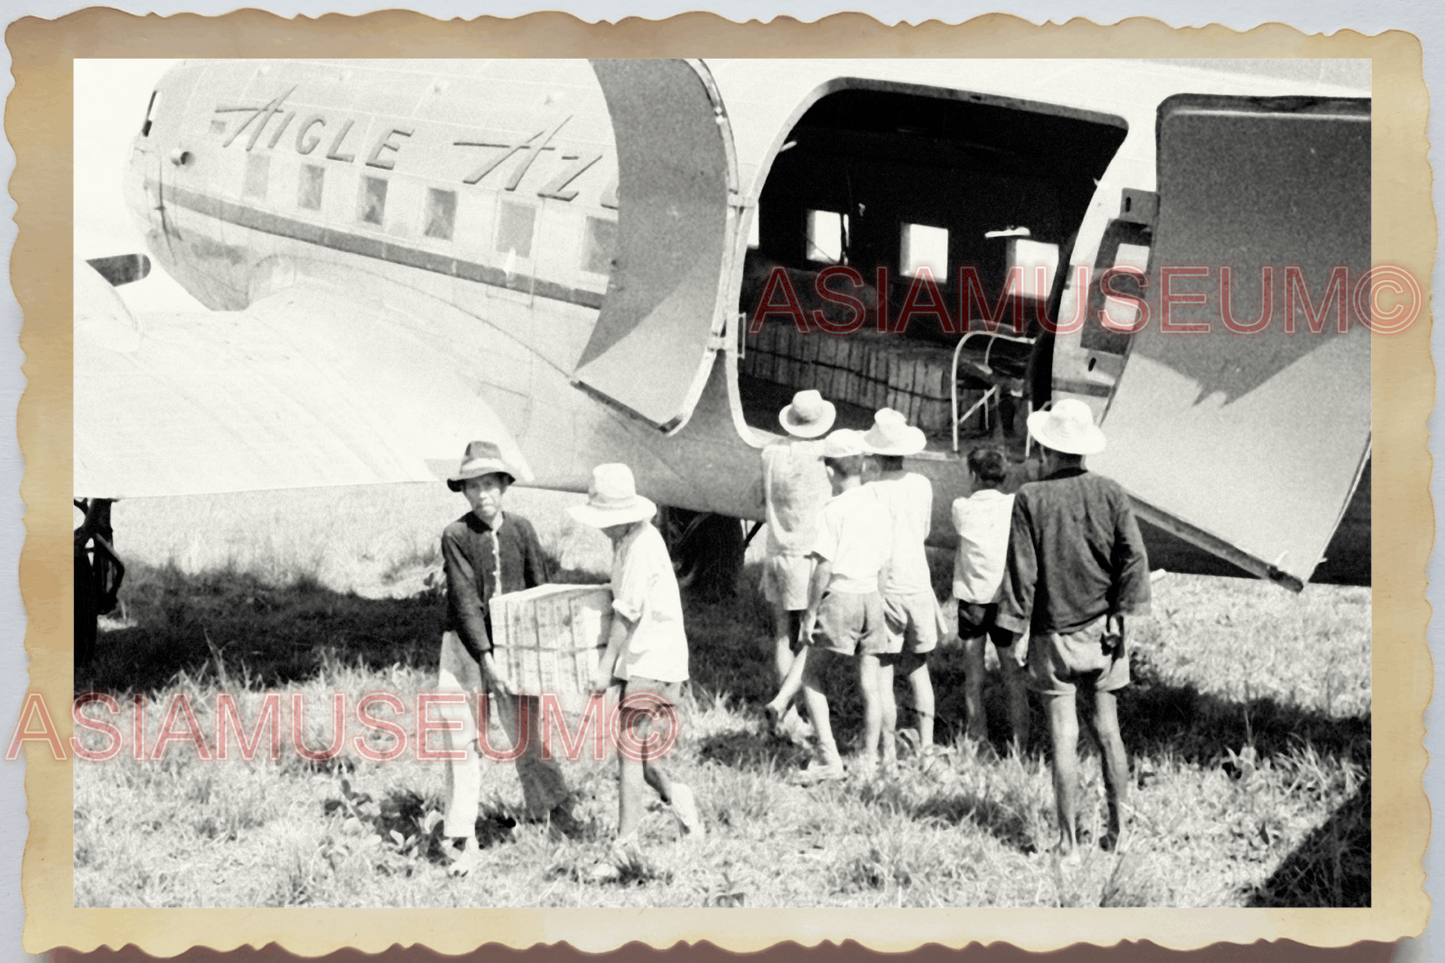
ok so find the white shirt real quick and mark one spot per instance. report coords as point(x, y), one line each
point(853, 536)
point(908, 500)
point(982, 522)
point(644, 591)
point(795, 487)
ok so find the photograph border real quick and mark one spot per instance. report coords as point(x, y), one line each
point(38, 122)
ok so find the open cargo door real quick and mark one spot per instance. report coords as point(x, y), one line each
point(652, 348)
point(1251, 445)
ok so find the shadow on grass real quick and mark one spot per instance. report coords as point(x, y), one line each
point(258, 635)
point(1004, 823)
point(266, 636)
point(750, 752)
point(1197, 727)
point(1330, 868)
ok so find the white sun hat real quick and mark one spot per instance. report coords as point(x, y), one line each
point(843, 443)
point(612, 499)
point(808, 416)
point(1068, 427)
point(891, 434)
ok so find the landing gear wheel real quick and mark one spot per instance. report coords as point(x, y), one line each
point(87, 614)
point(707, 551)
point(98, 575)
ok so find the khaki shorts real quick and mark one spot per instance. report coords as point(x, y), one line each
point(785, 580)
point(1095, 657)
point(977, 619)
point(912, 622)
point(850, 624)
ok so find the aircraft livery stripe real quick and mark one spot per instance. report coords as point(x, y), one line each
point(373, 247)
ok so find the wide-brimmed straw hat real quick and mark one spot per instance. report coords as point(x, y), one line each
point(891, 434)
point(481, 458)
point(612, 499)
point(808, 416)
point(843, 443)
point(1067, 427)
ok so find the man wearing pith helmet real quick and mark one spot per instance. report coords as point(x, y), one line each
point(1076, 568)
point(486, 553)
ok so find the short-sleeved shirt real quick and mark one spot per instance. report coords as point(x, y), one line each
point(481, 561)
point(795, 488)
point(908, 502)
point(1074, 555)
point(644, 591)
point(854, 535)
point(982, 523)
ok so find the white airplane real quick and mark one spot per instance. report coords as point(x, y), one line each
point(613, 261)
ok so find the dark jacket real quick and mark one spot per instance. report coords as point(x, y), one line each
point(1074, 555)
point(481, 563)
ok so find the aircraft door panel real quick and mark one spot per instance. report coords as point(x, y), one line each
point(1251, 444)
point(652, 347)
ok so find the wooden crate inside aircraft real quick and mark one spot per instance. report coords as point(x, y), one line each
point(550, 638)
point(864, 369)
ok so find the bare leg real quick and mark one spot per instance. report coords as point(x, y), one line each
point(1018, 698)
point(1064, 730)
point(1116, 763)
point(973, 652)
point(797, 674)
point(922, 684)
point(812, 661)
point(868, 682)
point(888, 711)
point(785, 630)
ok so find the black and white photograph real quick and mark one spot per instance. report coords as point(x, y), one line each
point(724, 483)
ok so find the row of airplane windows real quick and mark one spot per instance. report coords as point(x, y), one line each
point(513, 232)
point(922, 245)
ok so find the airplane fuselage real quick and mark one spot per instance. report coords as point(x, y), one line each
point(484, 200)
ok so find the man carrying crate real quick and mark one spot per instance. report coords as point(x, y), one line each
point(486, 553)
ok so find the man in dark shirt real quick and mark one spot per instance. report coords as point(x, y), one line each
point(486, 553)
point(1076, 566)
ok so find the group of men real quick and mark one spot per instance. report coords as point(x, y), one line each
point(1047, 574)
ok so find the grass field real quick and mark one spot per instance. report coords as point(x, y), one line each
point(1247, 727)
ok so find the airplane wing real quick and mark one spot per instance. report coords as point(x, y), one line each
point(307, 387)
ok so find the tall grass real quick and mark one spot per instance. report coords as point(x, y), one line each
point(1247, 728)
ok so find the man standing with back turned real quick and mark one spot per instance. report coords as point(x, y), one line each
point(1076, 566)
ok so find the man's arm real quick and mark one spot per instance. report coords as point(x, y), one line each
point(1131, 563)
point(817, 585)
point(617, 639)
point(1020, 573)
point(535, 568)
point(463, 600)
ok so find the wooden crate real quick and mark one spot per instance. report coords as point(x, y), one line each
point(550, 638)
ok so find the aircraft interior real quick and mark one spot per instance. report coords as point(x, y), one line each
point(899, 183)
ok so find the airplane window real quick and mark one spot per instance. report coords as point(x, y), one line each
point(924, 246)
point(514, 228)
point(308, 189)
point(1031, 255)
point(258, 171)
point(599, 245)
point(1129, 255)
point(440, 216)
point(218, 126)
point(371, 203)
point(825, 236)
